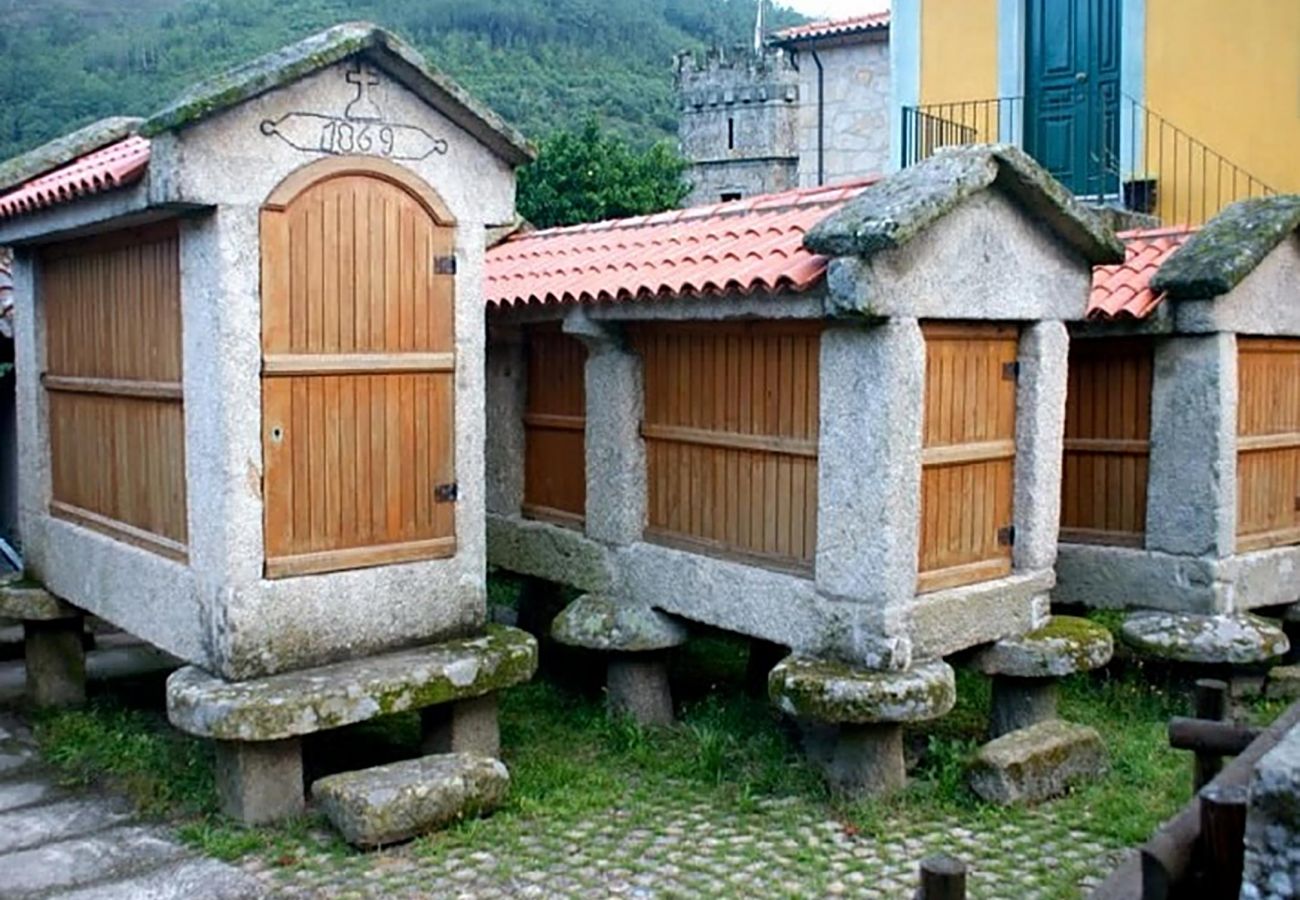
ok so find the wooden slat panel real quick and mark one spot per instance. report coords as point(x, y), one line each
point(1268, 447)
point(358, 378)
point(555, 417)
point(113, 354)
point(1107, 435)
point(968, 462)
point(731, 429)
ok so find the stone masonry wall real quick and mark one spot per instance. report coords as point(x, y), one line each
point(855, 110)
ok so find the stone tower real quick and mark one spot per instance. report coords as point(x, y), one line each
point(739, 125)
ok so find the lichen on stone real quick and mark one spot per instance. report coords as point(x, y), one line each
point(893, 211)
point(1239, 639)
point(1216, 258)
point(835, 692)
point(1065, 645)
point(62, 149)
point(600, 622)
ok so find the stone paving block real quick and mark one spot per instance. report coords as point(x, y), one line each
point(1037, 763)
point(63, 819)
point(19, 793)
point(64, 865)
point(396, 802)
point(190, 879)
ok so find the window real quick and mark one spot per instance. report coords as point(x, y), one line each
point(731, 196)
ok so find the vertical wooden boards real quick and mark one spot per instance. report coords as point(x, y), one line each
point(1268, 442)
point(555, 418)
point(1107, 441)
point(969, 454)
point(358, 372)
point(731, 429)
point(113, 379)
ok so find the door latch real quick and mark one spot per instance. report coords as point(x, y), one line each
point(1007, 536)
point(446, 493)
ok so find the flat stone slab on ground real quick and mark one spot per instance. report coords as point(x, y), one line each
point(28, 601)
point(826, 691)
point(311, 700)
point(1283, 683)
point(189, 879)
point(1037, 763)
point(1240, 639)
point(396, 802)
point(598, 622)
point(1067, 644)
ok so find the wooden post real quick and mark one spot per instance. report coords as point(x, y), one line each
point(1223, 835)
point(943, 877)
point(1212, 704)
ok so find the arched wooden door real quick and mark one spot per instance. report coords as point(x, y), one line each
point(358, 370)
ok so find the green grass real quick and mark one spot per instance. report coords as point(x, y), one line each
point(569, 761)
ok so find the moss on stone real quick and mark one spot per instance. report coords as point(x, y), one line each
point(894, 211)
point(62, 149)
point(829, 691)
point(599, 622)
point(1065, 645)
point(1228, 248)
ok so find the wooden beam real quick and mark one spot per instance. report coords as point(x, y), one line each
point(1099, 536)
point(127, 534)
point(959, 454)
point(555, 422)
point(359, 557)
point(1124, 447)
point(1252, 443)
point(732, 440)
point(113, 387)
point(276, 364)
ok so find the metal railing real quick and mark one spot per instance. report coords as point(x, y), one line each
point(1135, 159)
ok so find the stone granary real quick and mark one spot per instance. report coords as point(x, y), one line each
point(828, 419)
point(250, 360)
point(1180, 490)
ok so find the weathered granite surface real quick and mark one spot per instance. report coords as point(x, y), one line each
point(891, 212)
point(1037, 763)
point(1272, 869)
point(1238, 639)
point(1067, 644)
point(599, 622)
point(1283, 683)
point(310, 700)
point(324, 49)
point(28, 601)
point(396, 802)
point(1228, 248)
point(63, 149)
point(825, 691)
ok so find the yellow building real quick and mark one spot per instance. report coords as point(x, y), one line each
point(1176, 107)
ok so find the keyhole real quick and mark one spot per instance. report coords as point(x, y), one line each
point(277, 434)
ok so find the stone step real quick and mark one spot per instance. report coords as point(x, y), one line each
point(104, 856)
point(189, 879)
point(19, 792)
point(1037, 763)
point(395, 802)
point(63, 819)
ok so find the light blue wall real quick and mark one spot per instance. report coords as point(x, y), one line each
point(905, 70)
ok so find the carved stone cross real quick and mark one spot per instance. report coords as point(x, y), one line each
point(364, 107)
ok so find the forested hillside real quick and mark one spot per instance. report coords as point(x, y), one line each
point(543, 64)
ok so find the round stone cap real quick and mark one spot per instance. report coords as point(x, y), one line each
point(1065, 645)
point(1187, 637)
point(598, 622)
point(826, 691)
point(28, 600)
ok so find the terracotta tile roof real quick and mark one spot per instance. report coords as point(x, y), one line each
point(1124, 291)
point(110, 167)
point(742, 247)
point(833, 28)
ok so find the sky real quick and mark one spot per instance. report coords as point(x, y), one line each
point(835, 9)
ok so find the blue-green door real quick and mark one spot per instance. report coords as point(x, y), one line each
point(1072, 91)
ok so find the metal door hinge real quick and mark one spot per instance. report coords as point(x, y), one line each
point(444, 265)
point(1007, 536)
point(1011, 371)
point(1297, 504)
point(446, 493)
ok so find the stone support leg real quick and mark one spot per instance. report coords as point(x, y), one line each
point(1021, 702)
point(637, 685)
point(260, 782)
point(469, 726)
point(56, 662)
point(867, 761)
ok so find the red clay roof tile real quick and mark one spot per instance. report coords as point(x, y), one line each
point(833, 28)
point(740, 247)
point(109, 167)
point(1124, 290)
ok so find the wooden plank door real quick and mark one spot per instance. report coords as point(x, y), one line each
point(1268, 443)
point(357, 375)
point(555, 425)
point(969, 455)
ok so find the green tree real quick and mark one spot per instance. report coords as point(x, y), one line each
point(588, 175)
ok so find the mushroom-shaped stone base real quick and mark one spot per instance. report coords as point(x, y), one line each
point(1237, 640)
point(1025, 669)
point(868, 708)
point(635, 639)
point(1290, 617)
point(53, 647)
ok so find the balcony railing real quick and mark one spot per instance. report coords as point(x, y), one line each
point(1135, 159)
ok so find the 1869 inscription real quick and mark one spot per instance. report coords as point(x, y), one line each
point(361, 129)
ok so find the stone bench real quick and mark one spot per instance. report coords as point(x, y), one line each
point(258, 724)
point(53, 648)
point(396, 802)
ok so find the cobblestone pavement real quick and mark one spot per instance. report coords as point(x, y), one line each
point(91, 846)
point(671, 850)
